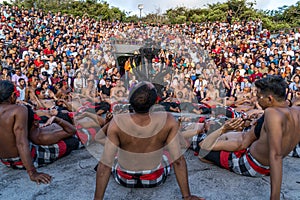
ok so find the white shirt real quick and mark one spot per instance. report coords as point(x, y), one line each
point(15, 78)
point(49, 71)
point(102, 82)
point(79, 83)
point(199, 85)
point(242, 72)
point(291, 53)
point(22, 93)
point(52, 65)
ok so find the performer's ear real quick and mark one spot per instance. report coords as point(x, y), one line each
point(270, 99)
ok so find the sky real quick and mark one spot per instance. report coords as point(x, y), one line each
point(150, 6)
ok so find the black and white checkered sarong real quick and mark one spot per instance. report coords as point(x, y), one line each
point(243, 163)
point(142, 179)
point(296, 151)
point(44, 154)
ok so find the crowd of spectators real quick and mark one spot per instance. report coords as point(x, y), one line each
point(68, 72)
point(54, 54)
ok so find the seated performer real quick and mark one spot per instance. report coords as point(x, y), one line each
point(278, 137)
point(18, 125)
point(135, 148)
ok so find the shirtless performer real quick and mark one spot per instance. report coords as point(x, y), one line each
point(296, 102)
point(17, 151)
point(90, 90)
point(243, 101)
point(185, 93)
point(140, 138)
point(278, 137)
point(187, 105)
point(52, 132)
point(14, 132)
point(30, 92)
point(117, 88)
point(212, 97)
point(33, 99)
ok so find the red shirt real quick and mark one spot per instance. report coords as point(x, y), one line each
point(254, 75)
point(38, 64)
point(48, 51)
point(240, 79)
point(55, 80)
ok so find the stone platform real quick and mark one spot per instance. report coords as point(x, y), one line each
point(74, 179)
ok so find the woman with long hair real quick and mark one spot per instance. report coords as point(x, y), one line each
point(79, 82)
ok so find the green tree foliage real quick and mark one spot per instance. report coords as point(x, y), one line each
point(132, 18)
point(282, 18)
point(177, 15)
point(90, 8)
point(180, 19)
point(291, 14)
point(198, 18)
point(216, 15)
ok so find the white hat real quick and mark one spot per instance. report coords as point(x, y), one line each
point(21, 60)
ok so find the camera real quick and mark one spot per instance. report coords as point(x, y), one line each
point(44, 73)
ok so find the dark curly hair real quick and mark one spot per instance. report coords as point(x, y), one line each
point(142, 97)
point(6, 90)
point(273, 85)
